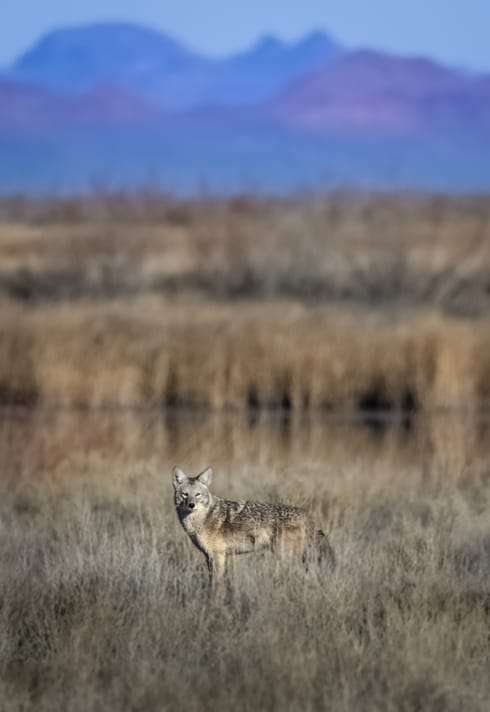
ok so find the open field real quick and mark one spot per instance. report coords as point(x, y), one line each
point(343, 302)
point(328, 352)
point(104, 602)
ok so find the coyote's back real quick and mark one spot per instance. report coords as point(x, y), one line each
point(221, 528)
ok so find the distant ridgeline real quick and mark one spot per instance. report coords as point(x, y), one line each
point(121, 106)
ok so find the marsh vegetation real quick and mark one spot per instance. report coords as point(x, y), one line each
point(344, 302)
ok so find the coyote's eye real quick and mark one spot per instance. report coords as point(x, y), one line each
point(198, 494)
point(184, 495)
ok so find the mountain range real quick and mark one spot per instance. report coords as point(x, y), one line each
point(120, 105)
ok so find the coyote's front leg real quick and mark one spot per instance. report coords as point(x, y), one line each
point(216, 568)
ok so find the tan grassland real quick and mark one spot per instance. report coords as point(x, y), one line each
point(331, 352)
point(343, 302)
point(146, 353)
point(104, 600)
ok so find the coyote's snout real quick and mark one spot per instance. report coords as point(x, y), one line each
point(221, 528)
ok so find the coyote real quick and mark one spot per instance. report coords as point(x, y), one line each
point(221, 528)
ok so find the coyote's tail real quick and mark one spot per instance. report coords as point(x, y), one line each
point(325, 553)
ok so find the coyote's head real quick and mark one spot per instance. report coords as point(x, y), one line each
point(192, 494)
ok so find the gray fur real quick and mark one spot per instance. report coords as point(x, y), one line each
point(221, 528)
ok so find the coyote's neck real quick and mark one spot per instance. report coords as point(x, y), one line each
point(194, 522)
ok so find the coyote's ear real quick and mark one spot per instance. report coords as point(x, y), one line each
point(179, 476)
point(206, 476)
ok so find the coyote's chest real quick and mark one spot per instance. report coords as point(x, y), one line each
point(198, 533)
point(207, 533)
point(193, 523)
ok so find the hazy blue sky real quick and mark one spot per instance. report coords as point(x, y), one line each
point(456, 31)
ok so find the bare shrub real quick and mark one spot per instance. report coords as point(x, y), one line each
point(378, 250)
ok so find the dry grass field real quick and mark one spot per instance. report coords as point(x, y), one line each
point(104, 602)
point(343, 302)
point(399, 251)
point(330, 352)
